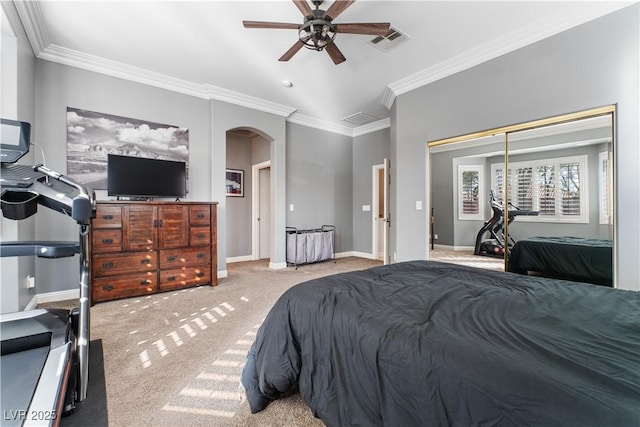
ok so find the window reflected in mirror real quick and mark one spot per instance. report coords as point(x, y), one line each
point(509, 198)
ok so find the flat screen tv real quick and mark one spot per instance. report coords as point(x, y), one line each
point(137, 177)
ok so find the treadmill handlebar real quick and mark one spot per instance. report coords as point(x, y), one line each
point(83, 205)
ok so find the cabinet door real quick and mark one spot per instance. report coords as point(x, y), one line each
point(174, 226)
point(140, 228)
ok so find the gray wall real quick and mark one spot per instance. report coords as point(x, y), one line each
point(368, 150)
point(17, 103)
point(58, 87)
point(238, 213)
point(273, 128)
point(589, 66)
point(319, 182)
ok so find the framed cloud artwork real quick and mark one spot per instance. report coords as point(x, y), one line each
point(92, 136)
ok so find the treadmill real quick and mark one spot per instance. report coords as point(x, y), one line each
point(495, 246)
point(44, 353)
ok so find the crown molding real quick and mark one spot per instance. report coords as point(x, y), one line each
point(237, 98)
point(576, 14)
point(33, 22)
point(73, 58)
point(372, 127)
point(313, 122)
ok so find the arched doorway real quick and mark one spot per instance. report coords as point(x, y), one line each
point(248, 211)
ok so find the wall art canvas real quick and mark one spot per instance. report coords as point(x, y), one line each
point(91, 136)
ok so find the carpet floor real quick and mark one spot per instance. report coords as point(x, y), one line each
point(175, 358)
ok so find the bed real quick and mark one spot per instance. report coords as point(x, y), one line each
point(572, 258)
point(425, 343)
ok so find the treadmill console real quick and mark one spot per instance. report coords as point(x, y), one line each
point(14, 140)
point(24, 187)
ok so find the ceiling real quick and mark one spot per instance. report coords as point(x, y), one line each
point(201, 48)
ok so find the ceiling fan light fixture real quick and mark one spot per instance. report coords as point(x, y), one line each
point(315, 34)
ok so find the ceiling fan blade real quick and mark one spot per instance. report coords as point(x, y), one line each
point(372, 28)
point(304, 7)
point(292, 51)
point(337, 8)
point(276, 25)
point(336, 56)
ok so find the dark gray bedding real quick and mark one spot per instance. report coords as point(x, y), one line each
point(573, 258)
point(428, 344)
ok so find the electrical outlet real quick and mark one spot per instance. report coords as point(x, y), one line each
point(30, 282)
point(435, 237)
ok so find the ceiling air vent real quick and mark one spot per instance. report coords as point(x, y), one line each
point(360, 118)
point(389, 41)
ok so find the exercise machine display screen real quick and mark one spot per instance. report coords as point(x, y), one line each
point(14, 140)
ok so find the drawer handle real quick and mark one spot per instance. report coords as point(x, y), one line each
point(201, 274)
point(107, 265)
point(145, 282)
point(145, 261)
point(200, 235)
point(107, 241)
point(171, 258)
point(171, 278)
point(107, 216)
point(200, 215)
point(107, 288)
point(200, 255)
point(157, 223)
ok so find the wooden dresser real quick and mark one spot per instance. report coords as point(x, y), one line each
point(140, 248)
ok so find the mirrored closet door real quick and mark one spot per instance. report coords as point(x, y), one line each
point(533, 198)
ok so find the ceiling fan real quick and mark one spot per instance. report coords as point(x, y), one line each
point(318, 31)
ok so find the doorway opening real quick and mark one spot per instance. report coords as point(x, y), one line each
point(380, 212)
point(261, 211)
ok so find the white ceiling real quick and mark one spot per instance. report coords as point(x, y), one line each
point(201, 48)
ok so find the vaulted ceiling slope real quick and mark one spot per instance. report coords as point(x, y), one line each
point(202, 49)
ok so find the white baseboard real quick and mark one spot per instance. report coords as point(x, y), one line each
point(52, 297)
point(277, 265)
point(454, 248)
point(356, 254)
point(239, 259)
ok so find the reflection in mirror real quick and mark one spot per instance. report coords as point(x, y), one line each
point(558, 189)
point(466, 224)
point(563, 172)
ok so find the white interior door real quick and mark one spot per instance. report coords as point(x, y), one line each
point(264, 212)
point(386, 210)
point(381, 217)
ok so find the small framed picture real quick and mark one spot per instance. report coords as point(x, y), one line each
point(235, 183)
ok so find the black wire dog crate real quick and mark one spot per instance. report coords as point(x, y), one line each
point(309, 246)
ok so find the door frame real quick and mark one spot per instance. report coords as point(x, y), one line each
point(255, 208)
point(376, 236)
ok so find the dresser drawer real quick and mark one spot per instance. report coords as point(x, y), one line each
point(114, 264)
point(181, 277)
point(200, 236)
point(106, 240)
point(107, 217)
point(107, 288)
point(200, 215)
point(185, 257)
